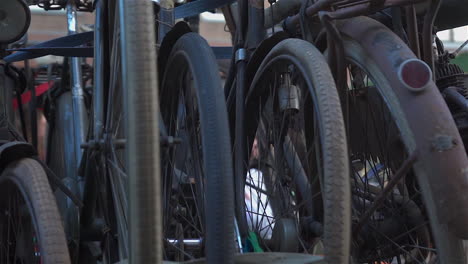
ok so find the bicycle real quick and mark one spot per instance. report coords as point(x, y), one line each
point(31, 228)
point(387, 92)
point(121, 147)
point(292, 194)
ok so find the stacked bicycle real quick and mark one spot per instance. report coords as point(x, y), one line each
point(343, 145)
point(404, 209)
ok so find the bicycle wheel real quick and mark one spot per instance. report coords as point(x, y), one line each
point(393, 216)
point(30, 224)
point(107, 177)
point(198, 180)
point(122, 163)
point(297, 187)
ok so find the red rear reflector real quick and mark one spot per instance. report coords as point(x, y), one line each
point(415, 74)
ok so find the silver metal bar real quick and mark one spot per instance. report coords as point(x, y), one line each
point(187, 242)
point(78, 106)
point(460, 48)
point(238, 237)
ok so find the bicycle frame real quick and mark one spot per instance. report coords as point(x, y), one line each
point(7, 116)
point(72, 134)
point(79, 111)
point(325, 12)
point(424, 50)
point(72, 128)
point(100, 137)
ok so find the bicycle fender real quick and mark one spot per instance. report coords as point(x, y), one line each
point(15, 150)
point(260, 53)
point(442, 163)
point(170, 39)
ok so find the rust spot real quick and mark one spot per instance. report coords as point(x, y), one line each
point(442, 143)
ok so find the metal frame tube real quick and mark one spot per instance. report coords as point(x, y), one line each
point(230, 19)
point(348, 11)
point(427, 34)
point(3, 87)
point(98, 88)
point(78, 106)
point(239, 148)
point(281, 10)
point(412, 29)
point(255, 31)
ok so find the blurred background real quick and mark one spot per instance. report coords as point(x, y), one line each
point(452, 40)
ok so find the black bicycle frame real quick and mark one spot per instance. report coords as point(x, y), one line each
point(7, 84)
point(247, 38)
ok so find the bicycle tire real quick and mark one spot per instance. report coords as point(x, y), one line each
point(192, 53)
point(29, 178)
point(321, 89)
point(141, 104)
point(449, 248)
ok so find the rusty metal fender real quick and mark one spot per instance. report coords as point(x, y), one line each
point(442, 163)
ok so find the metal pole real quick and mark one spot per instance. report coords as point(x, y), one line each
point(412, 28)
point(78, 106)
point(427, 34)
point(98, 90)
point(255, 31)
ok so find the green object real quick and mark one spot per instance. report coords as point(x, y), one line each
point(252, 243)
point(462, 61)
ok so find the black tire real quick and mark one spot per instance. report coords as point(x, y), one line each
point(316, 133)
point(391, 126)
point(26, 180)
point(207, 137)
point(141, 105)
